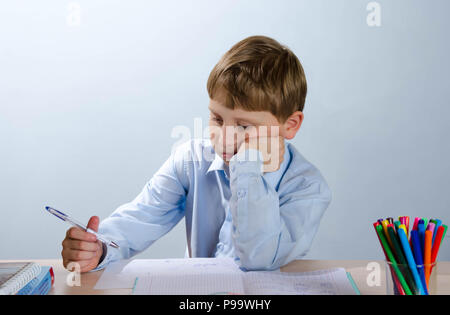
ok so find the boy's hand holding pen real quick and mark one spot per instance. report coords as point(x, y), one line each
point(82, 244)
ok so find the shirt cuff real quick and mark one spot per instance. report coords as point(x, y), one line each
point(109, 254)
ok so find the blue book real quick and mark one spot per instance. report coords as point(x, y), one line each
point(41, 284)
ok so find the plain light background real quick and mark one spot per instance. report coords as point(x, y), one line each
point(90, 92)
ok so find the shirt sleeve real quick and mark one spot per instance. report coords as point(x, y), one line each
point(271, 230)
point(134, 226)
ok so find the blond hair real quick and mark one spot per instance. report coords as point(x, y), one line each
point(259, 74)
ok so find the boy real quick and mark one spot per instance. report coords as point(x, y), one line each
point(256, 200)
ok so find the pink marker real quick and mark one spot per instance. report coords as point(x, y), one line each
point(431, 227)
point(416, 222)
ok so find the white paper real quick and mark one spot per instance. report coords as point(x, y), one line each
point(122, 274)
point(322, 282)
point(192, 284)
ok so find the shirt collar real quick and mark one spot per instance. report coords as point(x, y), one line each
point(274, 178)
point(217, 164)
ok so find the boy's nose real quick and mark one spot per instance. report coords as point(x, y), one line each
point(231, 138)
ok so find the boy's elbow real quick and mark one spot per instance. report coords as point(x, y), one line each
point(256, 262)
point(252, 265)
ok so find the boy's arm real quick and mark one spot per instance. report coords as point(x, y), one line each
point(153, 213)
point(269, 231)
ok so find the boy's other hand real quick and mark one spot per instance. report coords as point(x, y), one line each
point(270, 144)
point(82, 247)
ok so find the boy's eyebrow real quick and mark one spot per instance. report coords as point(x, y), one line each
point(213, 111)
point(238, 119)
point(246, 121)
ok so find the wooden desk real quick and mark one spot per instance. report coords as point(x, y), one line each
point(357, 268)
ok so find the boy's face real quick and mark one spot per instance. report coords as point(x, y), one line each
point(230, 127)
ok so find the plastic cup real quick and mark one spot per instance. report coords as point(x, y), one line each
point(400, 280)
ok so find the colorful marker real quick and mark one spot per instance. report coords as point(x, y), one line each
point(410, 258)
point(427, 255)
point(391, 259)
point(418, 258)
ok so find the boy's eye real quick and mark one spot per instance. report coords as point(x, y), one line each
point(217, 120)
point(244, 127)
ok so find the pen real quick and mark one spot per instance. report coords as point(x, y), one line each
point(397, 276)
point(385, 224)
point(410, 258)
point(437, 244)
point(407, 225)
point(402, 260)
point(427, 255)
point(421, 234)
point(416, 221)
point(417, 250)
point(436, 226)
point(74, 222)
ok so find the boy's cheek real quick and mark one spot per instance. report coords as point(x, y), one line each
point(216, 143)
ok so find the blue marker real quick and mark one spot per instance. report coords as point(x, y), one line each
point(419, 260)
point(410, 259)
point(421, 230)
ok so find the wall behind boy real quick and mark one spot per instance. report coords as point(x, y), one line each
point(90, 92)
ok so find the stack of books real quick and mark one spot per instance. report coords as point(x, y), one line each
point(25, 278)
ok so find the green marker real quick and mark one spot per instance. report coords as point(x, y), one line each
point(391, 258)
point(398, 252)
point(445, 231)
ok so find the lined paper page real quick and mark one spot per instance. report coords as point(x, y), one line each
point(189, 284)
point(122, 274)
point(322, 282)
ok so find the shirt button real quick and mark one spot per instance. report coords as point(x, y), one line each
point(241, 193)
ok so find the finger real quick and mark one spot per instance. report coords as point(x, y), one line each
point(77, 255)
point(79, 266)
point(93, 223)
point(81, 245)
point(79, 234)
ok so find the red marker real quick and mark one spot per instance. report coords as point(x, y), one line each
point(437, 244)
point(416, 221)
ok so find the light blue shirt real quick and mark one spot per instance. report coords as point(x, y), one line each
point(262, 220)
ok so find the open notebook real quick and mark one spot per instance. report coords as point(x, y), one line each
point(323, 282)
point(15, 275)
point(221, 279)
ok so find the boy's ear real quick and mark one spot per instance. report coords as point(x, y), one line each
point(292, 125)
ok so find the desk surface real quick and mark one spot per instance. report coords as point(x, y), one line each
point(357, 268)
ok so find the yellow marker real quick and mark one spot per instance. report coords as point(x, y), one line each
point(403, 227)
point(385, 224)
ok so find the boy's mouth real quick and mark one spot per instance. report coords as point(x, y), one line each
point(228, 156)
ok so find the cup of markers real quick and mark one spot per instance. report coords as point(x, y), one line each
point(411, 266)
